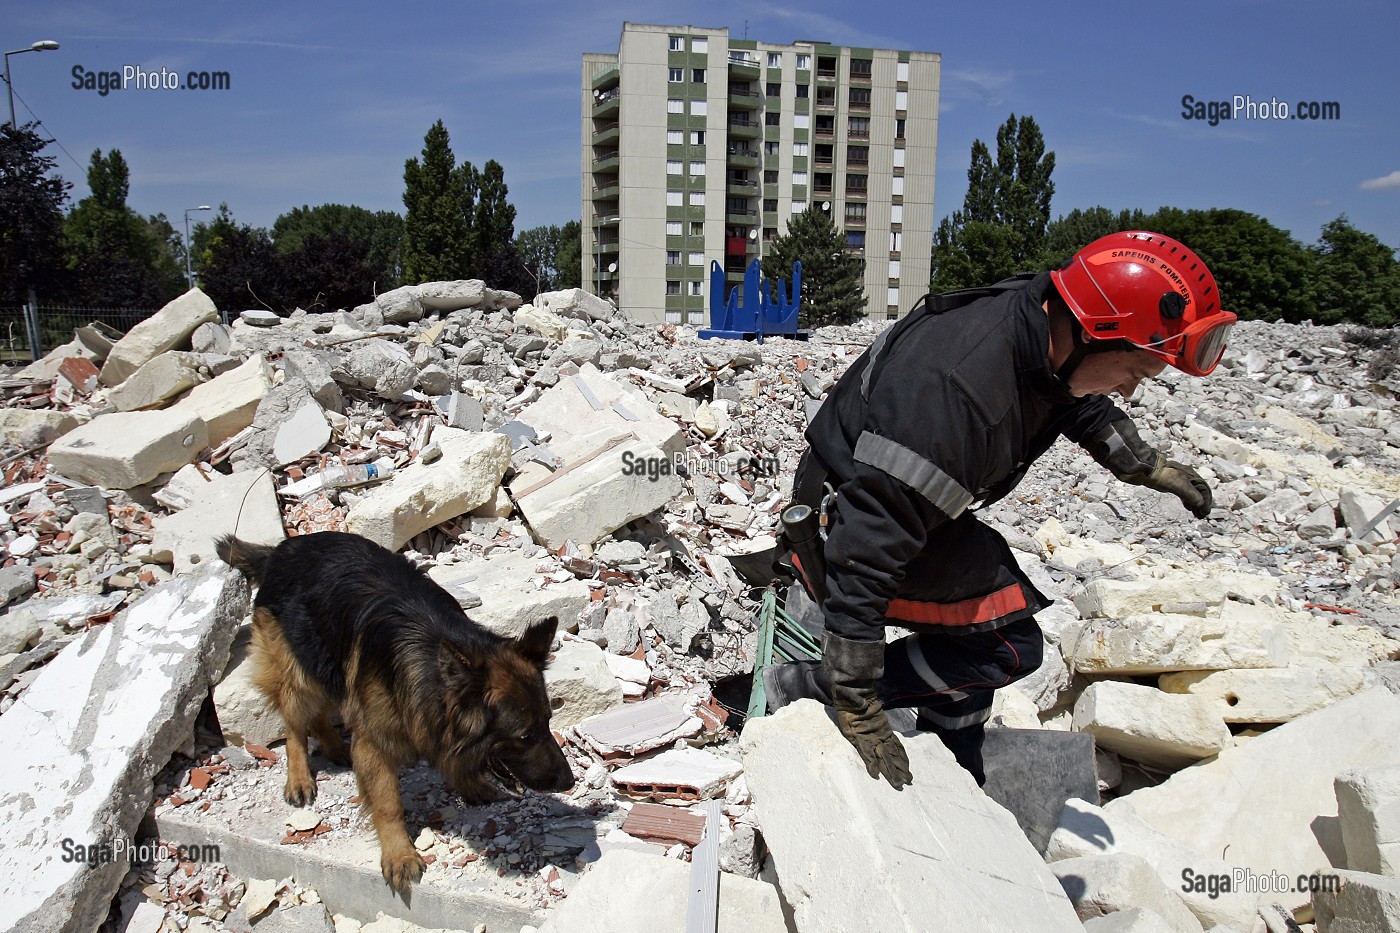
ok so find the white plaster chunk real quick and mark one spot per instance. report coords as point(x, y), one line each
point(1368, 804)
point(125, 449)
point(510, 600)
point(1147, 725)
point(167, 329)
point(1101, 885)
point(241, 504)
point(228, 402)
point(305, 432)
point(1160, 642)
point(580, 684)
point(1268, 695)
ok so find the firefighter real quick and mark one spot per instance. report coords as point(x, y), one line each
point(944, 412)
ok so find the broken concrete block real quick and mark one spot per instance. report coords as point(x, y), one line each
point(1087, 830)
point(450, 296)
point(580, 684)
point(1238, 801)
point(1267, 695)
point(636, 728)
point(305, 432)
point(1159, 642)
point(1156, 586)
point(243, 712)
point(631, 892)
point(27, 427)
point(400, 305)
point(548, 325)
point(1131, 920)
point(590, 403)
point(462, 411)
point(227, 403)
point(500, 596)
point(575, 303)
point(422, 495)
point(18, 631)
point(1012, 709)
point(1099, 885)
point(798, 766)
point(125, 449)
point(1032, 772)
point(1368, 805)
point(15, 583)
point(242, 504)
point(677, 774)
point(315, 373)
point(1358, 509)
point(213, 337)
point(1363, 903)
point(167, 329)
point(301, 918)
point(83, 749)
point(383, 367)
point(1314, 642)
point(1167, 730)
point(157, 381)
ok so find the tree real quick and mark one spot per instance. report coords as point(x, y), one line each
point(1001, 228)
point(31, 215)
point(1069, 234)
point(380, 232)
point(113, 255)
point(1356, 279)
point(569, 259)
point(439, 196)
point(498, 261)
point(323, 273)
point(238, 264)
point(832, 279)
point(538, 251)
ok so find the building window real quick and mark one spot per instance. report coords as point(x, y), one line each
point(673, 288)
point(824, 153)
point(775, 59)
point(901, 100)
point(826, 66)
point(673, 166)
point(696, 286)
point(697, 137)
point(697, 199)
point(897, 185)
point(857, 155)
point(697, 228)
point(673, 317)
point(697, 75)
point(770, 205)
point(674, 198)
point(770, 234)
point(896, 239)
point(826, 97)
point(860, 98)
point(697, 168)
point(855, 239)
point(673, 228)
point(673, 258)
point(772, 118)
point(856, 184)
point(896, 213)
point(799, 206)
point(801, 121)
point(826, 125)
point(770, 176)
point(899, 158)
point(901, 71)
point(855, 214)
point(799, 149)
point(860, 68)
point(899, 128)
point(675, 137)
point(677, 43)
point(770, 148)
point(803, 91)
point(799, 178)
point(859, 128)
point(700, 45)
point(696, 258)
point(894, 268)
point(893, 300)
point(675, 106)
point(773, 89)
point(804, 62)
point(675, 75)
point(699, 108)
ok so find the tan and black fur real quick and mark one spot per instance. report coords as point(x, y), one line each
point(342, 623)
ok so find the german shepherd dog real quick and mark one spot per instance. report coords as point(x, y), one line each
point(340, 622)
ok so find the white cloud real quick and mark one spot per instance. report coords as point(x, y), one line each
point(1385, 181)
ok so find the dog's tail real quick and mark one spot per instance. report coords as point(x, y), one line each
point(243, 556)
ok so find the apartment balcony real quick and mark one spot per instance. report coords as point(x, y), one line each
point(606, 78)
point(607, 104)
point(608, 190)
point(742, 66)
point(744, 100)
point(819, 190)
point(744, 218)
point(826, 74)
point(741, 157)
point(743, 189)
point(606, 249)
point(608, 162)
point(606, 135)
point(745, 129)
point(608, 218)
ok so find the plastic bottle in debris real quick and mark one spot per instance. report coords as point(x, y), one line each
point(356, 474)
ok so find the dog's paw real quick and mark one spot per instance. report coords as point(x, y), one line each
point(300, 791)
point(401, 868)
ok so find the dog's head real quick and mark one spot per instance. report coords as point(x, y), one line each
point(511, 722)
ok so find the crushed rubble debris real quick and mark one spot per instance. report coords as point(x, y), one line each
point(553, 458)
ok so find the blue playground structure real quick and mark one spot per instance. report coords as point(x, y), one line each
point(759, 316)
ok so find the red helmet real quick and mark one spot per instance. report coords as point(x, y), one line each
point(1152, 292)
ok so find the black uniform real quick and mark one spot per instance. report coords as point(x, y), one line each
point(942, 412)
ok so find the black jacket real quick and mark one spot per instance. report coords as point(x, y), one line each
point(954, 410)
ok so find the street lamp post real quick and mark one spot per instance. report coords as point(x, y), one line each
point(189, 276)
point(47, 45)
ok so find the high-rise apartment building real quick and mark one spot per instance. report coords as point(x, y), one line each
point(699, 147)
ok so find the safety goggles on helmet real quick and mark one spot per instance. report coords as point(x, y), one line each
point(1197, 350)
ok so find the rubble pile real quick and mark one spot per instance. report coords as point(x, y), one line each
point(552, 458)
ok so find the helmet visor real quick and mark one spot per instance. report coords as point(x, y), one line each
point(1203, 350)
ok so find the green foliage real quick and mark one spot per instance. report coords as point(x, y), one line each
point(568, 260)
point(1356, 279)
point(238, 264)
point(113, 255)
point(439, 195)
point(1069, 234)
point(539, 250)
point(380, 233)
point(832, 279)
point(31, 214)
point(1001, 228)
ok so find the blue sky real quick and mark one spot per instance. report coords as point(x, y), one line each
point(328, 100)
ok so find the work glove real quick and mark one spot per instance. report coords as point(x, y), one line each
point(1120, 449)
point(852, 668)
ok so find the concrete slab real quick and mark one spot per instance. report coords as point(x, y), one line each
point(83, 748)
point(580, 684)
point(1363, 904)
point(1239, 800)
point(26, 427)
point(943, 855)
point(1166, 730)
point(1160, 642)
point(635, 728)
point(631, 892)
point(423, 495)
point(228, 402)
point(564, 411)
point(158, 380)
point(1368, 804)
point(243, 504)
point(1268, 695)
point(1032, 772)
point(125, 449)
point(1101, 885)
point(167, 329)
point(500, 592)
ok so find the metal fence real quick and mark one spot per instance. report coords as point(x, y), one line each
point(26, 335)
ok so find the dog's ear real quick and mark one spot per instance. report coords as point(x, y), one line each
point(534, 645)
point(456, 666)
